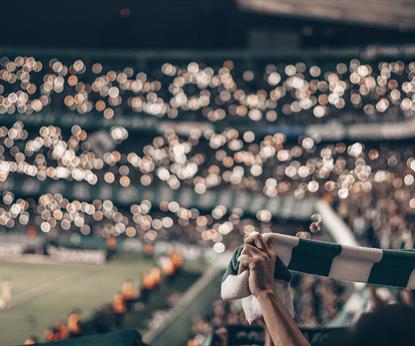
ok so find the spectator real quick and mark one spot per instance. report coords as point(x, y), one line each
point(31, 340)
point(119, 308)
point(74, 323)
point(129, 292)
point(63, 330)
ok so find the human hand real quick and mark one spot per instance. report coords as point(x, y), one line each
point(259, 258)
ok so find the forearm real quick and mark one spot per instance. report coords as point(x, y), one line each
point(281, 326)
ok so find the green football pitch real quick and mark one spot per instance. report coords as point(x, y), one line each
point(43, 293)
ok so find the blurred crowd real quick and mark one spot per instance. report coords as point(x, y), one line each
point(54, 215)
point(216, 90)
point(317, 301)
point(370, 184)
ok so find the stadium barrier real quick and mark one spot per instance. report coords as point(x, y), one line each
point(13, 246)
point(336, 131)
point(60, 254)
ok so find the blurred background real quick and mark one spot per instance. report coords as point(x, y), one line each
point(141, 141)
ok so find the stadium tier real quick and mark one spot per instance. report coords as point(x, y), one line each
point(72, 181)
point(264, 90)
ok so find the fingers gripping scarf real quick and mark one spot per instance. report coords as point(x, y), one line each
point(340, 262)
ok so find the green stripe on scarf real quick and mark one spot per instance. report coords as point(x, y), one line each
point(233, 266)
point(394, 269)
point(313, 257)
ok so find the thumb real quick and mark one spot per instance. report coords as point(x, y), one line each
point(244, 261)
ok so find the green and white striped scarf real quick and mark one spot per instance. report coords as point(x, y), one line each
point(340, 262)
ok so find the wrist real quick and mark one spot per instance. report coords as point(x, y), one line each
point(266, 295)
